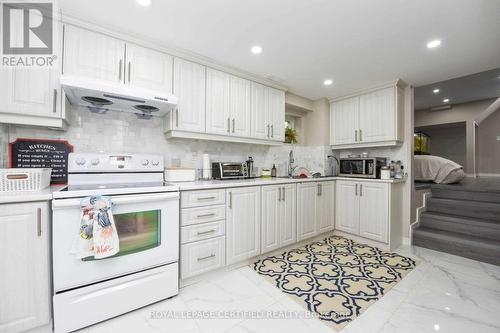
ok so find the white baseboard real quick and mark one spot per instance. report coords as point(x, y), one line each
point(488, 174)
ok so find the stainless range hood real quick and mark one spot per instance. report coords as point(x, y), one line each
point(100, 97)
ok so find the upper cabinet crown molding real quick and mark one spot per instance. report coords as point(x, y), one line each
point(394, 83)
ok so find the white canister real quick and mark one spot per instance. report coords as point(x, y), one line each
point(206, 167)
point(385, 172)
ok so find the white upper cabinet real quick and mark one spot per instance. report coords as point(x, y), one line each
point(241, 103)
point(368, 120)
point(93, 55)
point(32, 96)
point(218, 103)
point(377, 116)
point(242, 223)
point(277, 114)
point(260, 110)
point(189, 88)
point(344, 117)
point(149, 69)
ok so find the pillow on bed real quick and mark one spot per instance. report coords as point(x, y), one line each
point(437, 169)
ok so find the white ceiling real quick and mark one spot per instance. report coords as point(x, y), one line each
point(357, 43)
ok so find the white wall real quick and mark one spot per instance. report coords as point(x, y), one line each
point(317, 124)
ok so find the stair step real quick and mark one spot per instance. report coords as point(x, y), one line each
point(459, 194)
point(473, 209)
point(463, 225)
point(477, 248)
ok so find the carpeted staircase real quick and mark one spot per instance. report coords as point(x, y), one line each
point(463, 220)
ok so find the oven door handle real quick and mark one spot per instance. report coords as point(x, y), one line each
point(120, 200)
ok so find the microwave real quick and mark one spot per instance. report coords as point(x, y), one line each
point(229, 170)
point(362, 167)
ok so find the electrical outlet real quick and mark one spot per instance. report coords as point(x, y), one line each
point(498, 138)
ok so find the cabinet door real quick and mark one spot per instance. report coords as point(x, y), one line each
point(326, 207)
point(218, 102)
point(260, 125)
point(243, 224)
point(189, 88)
point(307, 194)
point(344, 121)
point(148, 69)
point(241, 103)
point(288, 215)
point(277, 114)
point(31, 91)
point(377, 116)
point(347, 206)
point(93, 55)
point(24, 268)
point(374, 211)
point(271, 209)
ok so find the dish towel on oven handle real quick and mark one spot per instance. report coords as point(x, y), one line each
point(97, 235)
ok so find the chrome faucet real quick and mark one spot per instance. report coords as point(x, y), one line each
point(291, 160)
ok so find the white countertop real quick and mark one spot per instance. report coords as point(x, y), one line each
point(211, 184)
point(28, 196)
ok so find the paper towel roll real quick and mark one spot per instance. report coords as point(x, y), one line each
point(206, 167)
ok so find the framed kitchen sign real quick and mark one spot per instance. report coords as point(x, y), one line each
point(42, 153)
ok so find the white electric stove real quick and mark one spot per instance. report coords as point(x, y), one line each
point(146, 215)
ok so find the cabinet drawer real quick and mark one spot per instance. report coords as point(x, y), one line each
point(190, 216)
point(203, 256)
point(203, 231)
point(203, 198)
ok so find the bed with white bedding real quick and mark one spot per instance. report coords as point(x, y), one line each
point(437, 169)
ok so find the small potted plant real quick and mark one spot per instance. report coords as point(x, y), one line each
point(290, 135)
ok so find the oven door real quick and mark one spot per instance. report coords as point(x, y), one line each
point(232, 170)
point(148, 229)
point(352, 167)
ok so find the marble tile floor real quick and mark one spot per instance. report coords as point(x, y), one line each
point(445, 293)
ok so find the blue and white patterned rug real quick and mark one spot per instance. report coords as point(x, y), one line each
point(336, 278)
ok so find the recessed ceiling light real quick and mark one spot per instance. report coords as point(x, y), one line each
point(433, 43)
point(446, 100)
point(435, 91)
point(328, 82)
point(256, 49)
point(145, 3)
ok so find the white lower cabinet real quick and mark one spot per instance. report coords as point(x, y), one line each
point(24, 268)
point(279, 221)
point(315, 208)
point(363, 209)
point(203, 256)
point(242, 223)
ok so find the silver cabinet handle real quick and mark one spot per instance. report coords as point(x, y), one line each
point(317, 189)
point(129, 66)
point(268, 128)
point(205, 198)
point(207, 257)
point(205, 215)
point(176, 117)
point(206, 232)
point(279, 194)
point(54, 101)
point(38, 222)
point(360, 136)
point(356, 190)
point(356, 135)
point(272, 131)
point(284, 191)
point(360, 190)
point(230, 199)
point(120, 70)
point(233, 125)
point(228, 125)
point(320, 189)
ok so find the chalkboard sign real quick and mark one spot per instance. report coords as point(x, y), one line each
point(42, 153)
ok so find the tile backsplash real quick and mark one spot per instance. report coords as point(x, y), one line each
point(117, 132)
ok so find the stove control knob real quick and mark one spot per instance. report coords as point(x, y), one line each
point(145, 162)
point(155, 162)
point(94, 162)
point(80, 161)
